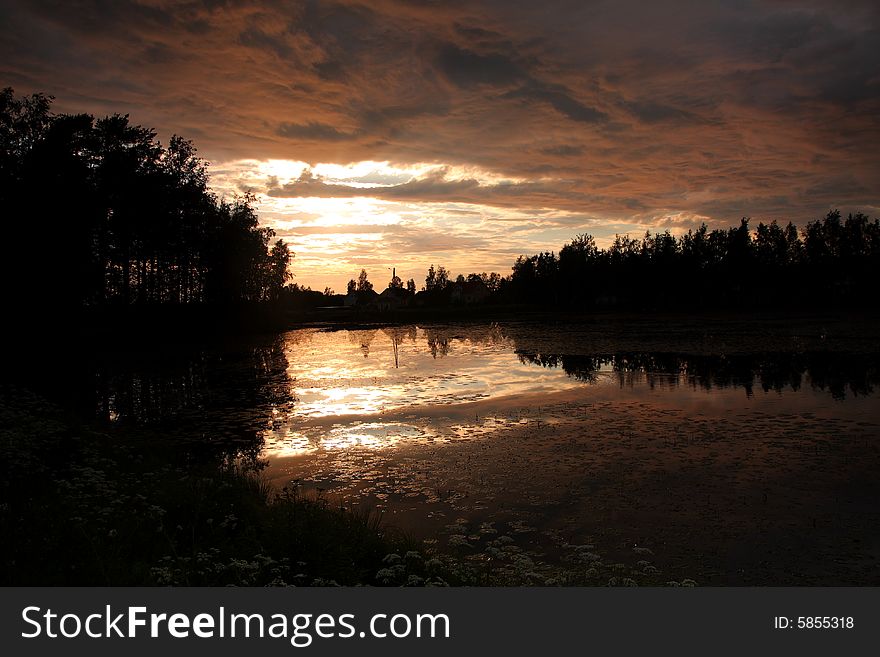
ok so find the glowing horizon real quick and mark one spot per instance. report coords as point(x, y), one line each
point(335, 237)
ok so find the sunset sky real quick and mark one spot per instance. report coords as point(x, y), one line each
point(398, 134)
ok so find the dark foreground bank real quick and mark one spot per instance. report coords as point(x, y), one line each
point(83, 505)
point(86, 507)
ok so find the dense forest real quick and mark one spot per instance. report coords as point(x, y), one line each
point(832, 261)
point(99, 214)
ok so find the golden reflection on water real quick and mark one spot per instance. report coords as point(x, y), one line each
point(377, 388)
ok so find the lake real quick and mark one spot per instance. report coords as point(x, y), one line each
point(713, 451)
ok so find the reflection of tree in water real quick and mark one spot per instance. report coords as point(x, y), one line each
point(440, 338)
point(396, 334)
point(217, 404)
point(364, 338)
point(835, 372)
point(587, 367)
point(438, 342)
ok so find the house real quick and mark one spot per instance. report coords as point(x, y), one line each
point(360, 299)
point(393, 298)
point(470, 292)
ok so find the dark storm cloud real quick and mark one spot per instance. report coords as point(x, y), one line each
point(561, 100)
point(313, 132)
point(103, 16)
point(439, 187)
point(254, 37)
point(563, 150)
point(432, 188)
point(651, 112)
point(467, 69)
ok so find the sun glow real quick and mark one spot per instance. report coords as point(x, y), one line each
point(335, 236)
point(281, 169)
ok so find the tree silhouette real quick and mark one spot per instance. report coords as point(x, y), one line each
point(130, 222)
point(364, 285)
point(442, 279)
point(831, 262)
point(278, 268)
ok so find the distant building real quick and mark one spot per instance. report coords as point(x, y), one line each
point(420, 299)
point(470, 292)
point(393, 298)
point(360, 299)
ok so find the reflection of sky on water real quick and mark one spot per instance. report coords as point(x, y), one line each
point(345, 383)
point(378, 388)
point(357, 434)
point(333, 375)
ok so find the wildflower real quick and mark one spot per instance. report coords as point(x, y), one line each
point(458, 540)
point(433, 564)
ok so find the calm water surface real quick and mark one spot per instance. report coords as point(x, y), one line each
point(728, 465)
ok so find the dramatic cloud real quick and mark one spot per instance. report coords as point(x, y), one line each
point(471, 131)
point(434, 186)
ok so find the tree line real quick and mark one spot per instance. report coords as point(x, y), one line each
point(436, 290)
point(831, 261)
point(99, 214)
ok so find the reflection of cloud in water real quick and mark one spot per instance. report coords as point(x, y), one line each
point(402, 388)
point(374, 435)
point(334, 377)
